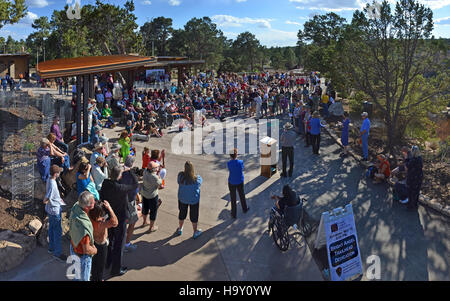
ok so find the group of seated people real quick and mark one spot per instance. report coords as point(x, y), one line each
point(397, 177)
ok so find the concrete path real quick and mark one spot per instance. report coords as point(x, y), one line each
point(411, 245)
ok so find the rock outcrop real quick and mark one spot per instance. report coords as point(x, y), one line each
point(14, 248)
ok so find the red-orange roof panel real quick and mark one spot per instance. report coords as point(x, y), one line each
point(91, 64)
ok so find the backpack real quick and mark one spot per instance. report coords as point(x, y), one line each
point(371, 172)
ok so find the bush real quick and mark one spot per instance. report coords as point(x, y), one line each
point(356, 102)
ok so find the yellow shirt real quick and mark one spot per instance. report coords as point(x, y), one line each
point(325, 98)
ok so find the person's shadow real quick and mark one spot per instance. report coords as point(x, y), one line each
point(162, 253)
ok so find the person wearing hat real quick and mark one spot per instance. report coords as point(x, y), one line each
point(95, 133)
point(53, 203)
point(365, 129)
point(99, 172)
point(113, 157)
point(43, 159)
point(98, 152)
point(287, 141)
point(315, 132)
point(414, 177)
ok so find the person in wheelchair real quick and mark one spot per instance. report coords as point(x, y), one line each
point(289, 199)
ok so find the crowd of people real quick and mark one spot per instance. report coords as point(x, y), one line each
point(8, 80)
point(110, 199)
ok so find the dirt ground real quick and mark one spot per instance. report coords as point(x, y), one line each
point(436, 182)
point(13, 217)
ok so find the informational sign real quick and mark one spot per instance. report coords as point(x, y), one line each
point(339, 231)
point(155, 75)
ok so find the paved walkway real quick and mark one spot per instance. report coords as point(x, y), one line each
point(411, 246)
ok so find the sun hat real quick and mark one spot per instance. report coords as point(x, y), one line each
point(288, 126)
point(364, 114)
point(98, 145)
point(316, 114)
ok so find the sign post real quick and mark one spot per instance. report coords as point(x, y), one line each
point(338, 230)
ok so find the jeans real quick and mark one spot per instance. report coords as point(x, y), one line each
point(44, 169)
point(62, 146)
point(288, 152)
point(365, 146)
point(240, 189)
point(86, 265)
point(58, 161)
point(54, 234)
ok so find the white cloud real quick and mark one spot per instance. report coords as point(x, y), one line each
point(292, 22)
point(146, 2)
point(435, 4)
point(174, 2)
point(231, 21)
point(328, 5)
point(29, 18)
point(239, 1)
point(443, 21)
point(347, 5)
point(277, 38)
point(37, 3)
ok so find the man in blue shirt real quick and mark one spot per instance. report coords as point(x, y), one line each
point(365, 128)
point(287, 141)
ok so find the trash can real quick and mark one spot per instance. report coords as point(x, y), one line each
point(368, 107)
point(269, 156)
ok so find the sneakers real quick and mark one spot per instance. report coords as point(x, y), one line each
point(61, 258)
point(405, 201)
point(130, 247)
point(179, 231)
point(197, 234)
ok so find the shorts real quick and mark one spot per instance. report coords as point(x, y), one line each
point(150, 205)
point(132, 213)
point(193, 212)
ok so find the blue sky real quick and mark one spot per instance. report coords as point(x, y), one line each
point(274, 22)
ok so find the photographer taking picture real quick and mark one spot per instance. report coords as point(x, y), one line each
point(102, 217)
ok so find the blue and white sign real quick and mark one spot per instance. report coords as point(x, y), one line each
point(344, 257)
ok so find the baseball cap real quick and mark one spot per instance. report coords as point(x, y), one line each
point(54, 169)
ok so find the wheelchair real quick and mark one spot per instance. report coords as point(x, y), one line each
point(279, 225)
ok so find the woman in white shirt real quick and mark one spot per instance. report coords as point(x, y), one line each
point(100, 172)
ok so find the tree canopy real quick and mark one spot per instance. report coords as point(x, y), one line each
point(11, 11)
